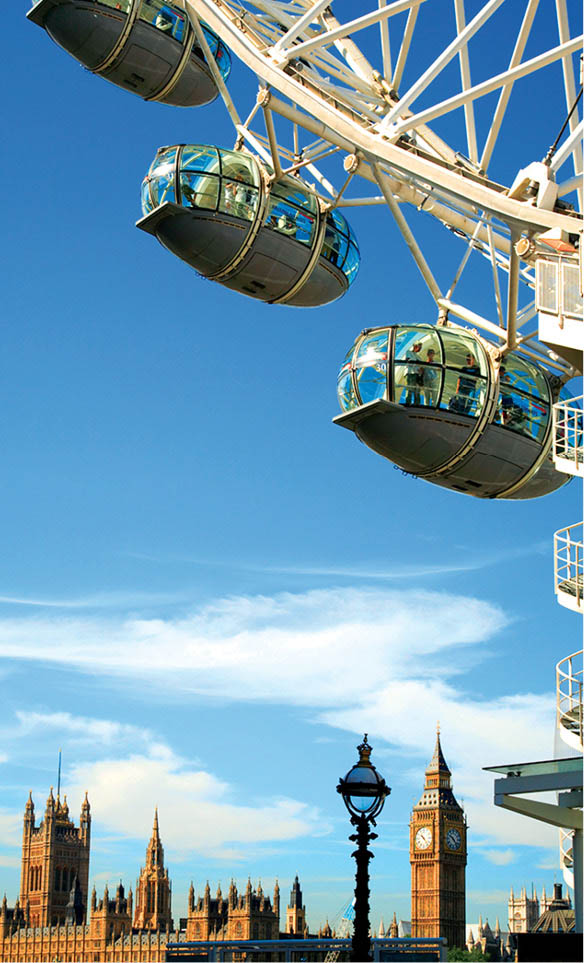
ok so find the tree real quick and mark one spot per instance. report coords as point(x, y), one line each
point(455, 954)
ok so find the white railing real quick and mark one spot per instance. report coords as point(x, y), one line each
point(568, 436)
point(568, 566)
point(566, 857)
point(569, 699)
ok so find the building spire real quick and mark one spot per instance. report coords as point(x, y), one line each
point(438, 762)
point(59, 776)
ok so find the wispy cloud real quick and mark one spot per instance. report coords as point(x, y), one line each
point(469, 561)
point(500, 857)
point(99, 600)
point(82, 728)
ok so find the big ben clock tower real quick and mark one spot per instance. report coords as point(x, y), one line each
point(438, 857)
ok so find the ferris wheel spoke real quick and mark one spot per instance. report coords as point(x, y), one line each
point(352, 26)
point(495, 273)
point(509, 76)
point(440, 63)
point(405, 47)
point(469, 119)
point(568, 72)
point(385, 44)
point(505, 94)
point(407, 233)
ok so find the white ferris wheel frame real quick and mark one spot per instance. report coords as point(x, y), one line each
point(353, 109)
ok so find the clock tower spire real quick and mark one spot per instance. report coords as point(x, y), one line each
point(438, 856)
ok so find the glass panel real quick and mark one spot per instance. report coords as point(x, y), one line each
point(371, 373)
point(429, 349)
point(164, 17)
point(147, 204)
point(341, 223)
point(163, 163)
point(345, 392)
point(211, 38)
point(523, 376)
point(238, 199)
point(335, 245)
point(285, 219)
point(199, 190)
point(463, 393)
point(407, 384)
point(547, 286)
point(462, 351)
point(199, 158)
point(162, 189)
point(523, 414)
point(295, 194)
point(372, 381)
point(123, 5)
point(352, 262)
point(223, 60)
point(239, 167)
point(572, 299)
point(350, 353)
point(373, 347)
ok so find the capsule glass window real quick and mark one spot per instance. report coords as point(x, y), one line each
point(340, 245)
point(524, 398)
point(462, 393)
point(159, 187)
point(196, 157)
point(345, 390)
point(464, 352)
point(199, 190)
point(292, 212)
point(371, 367)
point(417, 375)
point(239, 167)
point(123, 5)
point(238, 199)
point(164, 17)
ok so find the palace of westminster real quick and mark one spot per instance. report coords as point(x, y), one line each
point(49, 920)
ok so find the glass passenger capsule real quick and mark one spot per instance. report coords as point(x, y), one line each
point(148, 47)
point(433, 401)
point(216, 210)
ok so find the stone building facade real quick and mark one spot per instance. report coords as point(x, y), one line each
point(49, 922)
point(246, 916)
point(54, 855)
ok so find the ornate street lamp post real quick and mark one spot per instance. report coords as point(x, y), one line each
point(363, 791)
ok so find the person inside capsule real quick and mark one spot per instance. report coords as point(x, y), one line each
point(463, 400)
point(430, 380)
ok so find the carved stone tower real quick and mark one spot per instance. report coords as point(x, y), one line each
point(438, 857)
point(295, 911)
point(524, 910)
point(153, 891)
point(54, 855)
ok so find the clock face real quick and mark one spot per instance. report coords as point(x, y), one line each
point(453, 839)
point(423, 837)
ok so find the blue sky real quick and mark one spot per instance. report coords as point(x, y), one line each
point(208, 592)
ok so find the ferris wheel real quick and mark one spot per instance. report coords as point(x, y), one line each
point(419, 106)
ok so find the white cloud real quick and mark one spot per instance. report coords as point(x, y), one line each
point(10, 831)
point(500, 857)
point(291, 648)
point(197, 812)
point(370, 659)
point(81, 728)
